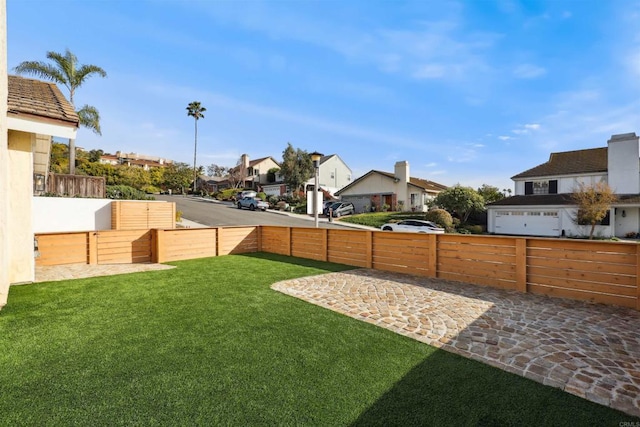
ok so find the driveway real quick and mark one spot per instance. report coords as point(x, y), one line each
point(590, 350)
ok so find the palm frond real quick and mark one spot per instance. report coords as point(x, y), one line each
point(41, 70)
point(90, 118)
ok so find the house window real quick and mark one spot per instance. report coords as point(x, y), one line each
point(348, 177)
point(541, 187)
point(333, 175)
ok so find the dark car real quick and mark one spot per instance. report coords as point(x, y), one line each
point(339, 209)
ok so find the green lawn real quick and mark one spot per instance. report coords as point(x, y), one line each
point(210, 343)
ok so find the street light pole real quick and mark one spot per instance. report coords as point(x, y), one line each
point(315, 157)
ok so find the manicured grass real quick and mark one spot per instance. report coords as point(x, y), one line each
point(210, 343)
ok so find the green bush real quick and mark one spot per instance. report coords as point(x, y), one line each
point(470, 229)
point(440, 217)
point(124, 192)
point(150, 189)
point(262, 196)
point(301, 208)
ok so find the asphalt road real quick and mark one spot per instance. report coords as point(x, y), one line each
point(216, 214)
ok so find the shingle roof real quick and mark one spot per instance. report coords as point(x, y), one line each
point(591, 160)
point(418, 182)
point(535, 200)
point(39, 99)
point(252, 163)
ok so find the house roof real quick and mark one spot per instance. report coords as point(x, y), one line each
point(423, 184)
point(38, 99)
point(535, 200)
point(252, 163)
point(591, 160)
point(558, 199)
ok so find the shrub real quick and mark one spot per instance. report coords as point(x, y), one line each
point(124, 192)
point(470, 229)
point(262, 196)
point(301, 208)
point(150, 189)
point(440, 217)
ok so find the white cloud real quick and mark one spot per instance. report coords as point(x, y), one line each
point(504, 138)
point(529, 71)
point(526, 129)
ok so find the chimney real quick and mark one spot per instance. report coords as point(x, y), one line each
point(401, 174)
point(245, 161)
point(623, 163)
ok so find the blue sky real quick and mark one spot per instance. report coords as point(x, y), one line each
point(468, 92)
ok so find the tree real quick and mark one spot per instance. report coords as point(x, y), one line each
point(195, 110)
point(460, 200)
point(490, 193)
point(297, 167)
point(65, 71)
point(216, 170)
point(177, 176)
point(271, 174)
point(594, 202)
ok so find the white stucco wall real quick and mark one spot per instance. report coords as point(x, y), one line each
point(22, 265)
point(4, 161)
point(55, 214)
point(623, 154)
point(334, 174)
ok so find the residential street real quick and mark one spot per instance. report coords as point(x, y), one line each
point(213, 213)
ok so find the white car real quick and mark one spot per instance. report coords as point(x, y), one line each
point(413, 226)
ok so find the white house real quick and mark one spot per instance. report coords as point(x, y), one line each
point(333, 174)
point(398, 190)
point(543, 206)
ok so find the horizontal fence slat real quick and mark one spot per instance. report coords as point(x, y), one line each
point(603, 272)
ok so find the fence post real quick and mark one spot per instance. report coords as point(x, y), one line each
point(325, 244)
point(638, 277)
point(218, 240)
point(369, 249)
point(289, 231)
point(433, 256)
point(158, 253)
point(521, 265)
point(259, 238)
point(92, 240)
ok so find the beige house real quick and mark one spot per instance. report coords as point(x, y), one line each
point(396, 191)
point(34, 112)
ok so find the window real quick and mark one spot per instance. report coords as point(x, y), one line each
point(333, 175)
point(541, 187)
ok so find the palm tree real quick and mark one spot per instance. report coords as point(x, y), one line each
point(64, 70)
point(195, 110)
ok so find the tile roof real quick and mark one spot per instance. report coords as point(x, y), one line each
point(35, 98)
point(591, 160)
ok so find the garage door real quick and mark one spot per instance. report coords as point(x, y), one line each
point(360, 203)
point(533, 223)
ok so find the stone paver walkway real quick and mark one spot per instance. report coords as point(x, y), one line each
point(589, 350)
point(79, 271)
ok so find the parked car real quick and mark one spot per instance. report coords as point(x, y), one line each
point(339, 209)
point(414, 226)
point(246, 193)
point(252, 203)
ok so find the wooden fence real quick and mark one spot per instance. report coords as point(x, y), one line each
point(76, 185)
point(604, 272)
point(141, 215)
